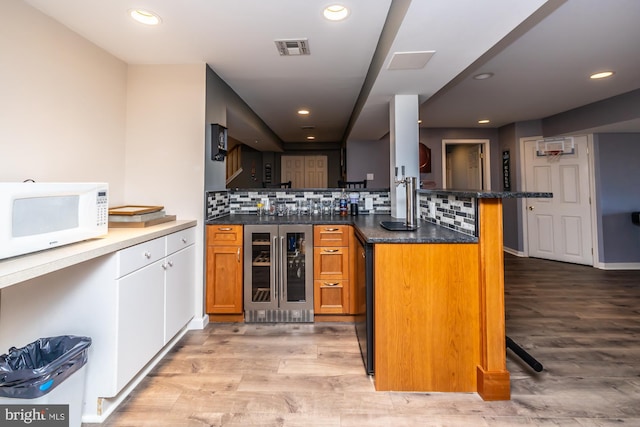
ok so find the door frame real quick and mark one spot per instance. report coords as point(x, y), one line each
point(592, 195)
point(486, 158)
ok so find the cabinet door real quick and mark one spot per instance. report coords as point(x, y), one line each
point(331, 263)
point(224, 279)
point(330, 296)
point(140, 320)
point(179, 291)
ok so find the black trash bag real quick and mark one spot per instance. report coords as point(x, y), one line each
point(37, 368)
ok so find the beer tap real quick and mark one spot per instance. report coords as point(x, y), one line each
point(410, 183)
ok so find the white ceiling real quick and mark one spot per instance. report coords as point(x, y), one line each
point(541, 53)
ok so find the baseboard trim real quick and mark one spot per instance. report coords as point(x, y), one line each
point(198, 323)
point(514, 252)
point(618, 265)
point(109, 405)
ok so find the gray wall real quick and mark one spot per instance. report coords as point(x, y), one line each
point(365, 157)
point(221, 103)
point(509, 137)
point(258, 159)
point(617, 175)
point(433, 137)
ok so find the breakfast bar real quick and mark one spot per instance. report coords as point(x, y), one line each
point(430, 302)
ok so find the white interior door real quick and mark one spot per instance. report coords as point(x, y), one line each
point(304, 171)
point(559, 228)
point(315, 171)
point(474, 166)
point(292, 169)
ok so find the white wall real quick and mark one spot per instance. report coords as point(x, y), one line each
point(69, 111)
point(165, 136)
point(62, 103)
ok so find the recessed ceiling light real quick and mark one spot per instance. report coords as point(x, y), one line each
point(303, 112)
point(483, 121)
point(483, 76)
point(310, 138)
point(601, 75)
point(335, 12)
point(145, 17)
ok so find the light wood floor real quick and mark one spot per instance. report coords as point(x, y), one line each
point(581, 323)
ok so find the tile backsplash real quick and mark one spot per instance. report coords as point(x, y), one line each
point(223, 202)
point(456, 213)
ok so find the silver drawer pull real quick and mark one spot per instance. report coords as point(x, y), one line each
point(331, 284)
point(331, 251)
point(225, 228)
point(147, 255)
point(331, 229)
point(170, 263)
point(184, 240)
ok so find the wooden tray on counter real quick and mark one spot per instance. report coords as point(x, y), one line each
point(140, 224)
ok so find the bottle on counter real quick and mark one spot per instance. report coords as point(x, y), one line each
point(343, 204)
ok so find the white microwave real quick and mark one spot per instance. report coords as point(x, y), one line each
point(36, 216)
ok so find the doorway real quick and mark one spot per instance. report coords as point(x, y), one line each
point(465, 164)
point(559, 228)
point(304, 171)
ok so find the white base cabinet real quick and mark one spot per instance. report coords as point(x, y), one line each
point(131, 303)
point(179, 292)
point(140, 320)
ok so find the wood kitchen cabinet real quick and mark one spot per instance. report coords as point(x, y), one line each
point(224, 269)
point(332, 269)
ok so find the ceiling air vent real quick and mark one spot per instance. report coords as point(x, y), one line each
point(293, 47)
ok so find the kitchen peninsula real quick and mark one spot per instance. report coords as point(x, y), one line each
point(436, 295)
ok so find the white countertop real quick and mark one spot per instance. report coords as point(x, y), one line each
point(18, 269)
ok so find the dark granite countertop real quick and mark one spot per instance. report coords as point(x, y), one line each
point(487, 194)
point(366, 226)
point(329, 189)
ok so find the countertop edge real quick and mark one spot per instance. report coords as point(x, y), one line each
point(488, 194)
point(367, 226)
point(24, 267)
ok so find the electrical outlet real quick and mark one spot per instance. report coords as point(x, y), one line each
point(368, 203)
point(369, 177)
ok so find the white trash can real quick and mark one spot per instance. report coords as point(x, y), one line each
point(45, 373)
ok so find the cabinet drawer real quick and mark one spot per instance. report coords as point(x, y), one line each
point(227, 235)
point(331, 235)
point(331, 263)
point(330, 296)
point(180, 240)
point(136, 257)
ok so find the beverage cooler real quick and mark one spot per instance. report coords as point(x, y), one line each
point(278, 273)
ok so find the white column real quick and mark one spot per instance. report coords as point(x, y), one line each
point(404, 133)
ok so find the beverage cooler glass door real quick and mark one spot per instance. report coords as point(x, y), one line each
point(296, 270)
point(278, 282)
point(260, 272)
